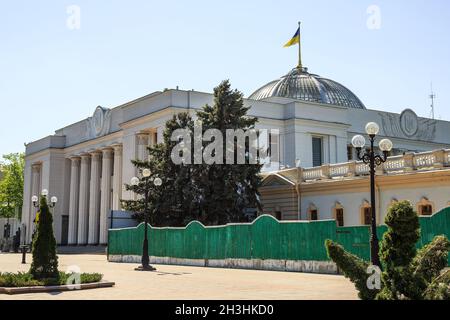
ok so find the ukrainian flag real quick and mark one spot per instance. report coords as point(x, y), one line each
point(295, 39)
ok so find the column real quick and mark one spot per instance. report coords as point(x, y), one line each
point(35, 191)
point(142, 140)
point(105, 201)
point(94, 198)
point(83, 204)
point(117, 179)
point(73, 199)
point(160, 134)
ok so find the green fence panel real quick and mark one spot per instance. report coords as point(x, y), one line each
point(265, 238)
point(215, 239)
point(238, 243)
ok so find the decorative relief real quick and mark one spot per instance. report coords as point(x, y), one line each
point(99, 124)
point(408, 125)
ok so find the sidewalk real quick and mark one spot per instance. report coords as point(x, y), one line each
point(187, 283)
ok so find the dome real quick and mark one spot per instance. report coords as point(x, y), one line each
point(301, 85)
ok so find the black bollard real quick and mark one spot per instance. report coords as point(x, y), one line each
point(24, 253)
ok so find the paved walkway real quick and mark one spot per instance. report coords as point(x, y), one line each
point(187, 283)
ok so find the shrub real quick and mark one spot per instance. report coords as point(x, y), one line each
point(26, 279)
point(408, 273)
point(45, 261)
point(353, 268)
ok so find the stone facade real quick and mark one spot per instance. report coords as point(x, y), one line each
point(85, 164)
point(421, 178)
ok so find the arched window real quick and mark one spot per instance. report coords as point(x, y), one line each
point(393, 201)
point(425, 207)
point(366, 213)
point(338, 213)
point(313, 213)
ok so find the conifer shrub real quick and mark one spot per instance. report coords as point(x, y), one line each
point(45, 260)
point(408, 273)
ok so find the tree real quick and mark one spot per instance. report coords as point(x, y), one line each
point(45, 260)
point(408, 273)
point(175, 202)
point(210, 193)
point(227, 189)
point(11, 185)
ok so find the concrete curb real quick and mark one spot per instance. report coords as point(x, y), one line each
point(321, 267)
point(40, 289)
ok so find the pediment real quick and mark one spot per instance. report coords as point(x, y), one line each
point(275, 180)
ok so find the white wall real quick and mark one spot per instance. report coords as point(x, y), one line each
point(352, 201)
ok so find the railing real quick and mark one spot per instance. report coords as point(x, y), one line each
point(396, 163)
point(312, 173)
point(430, 160)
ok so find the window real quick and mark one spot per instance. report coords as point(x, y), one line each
point(317, 151)
point(338, 214)
point(426, 210)
point(278, 215)
point(349, 153)
point(367, 216)
point(425, 207)
point(366, 213)
point(340, 217)
point(313, 213)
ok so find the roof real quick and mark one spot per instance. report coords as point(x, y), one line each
point(299, 84)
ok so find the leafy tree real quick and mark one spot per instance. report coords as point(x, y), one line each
point(408, 273)
point(11, 185)
point(45, 260)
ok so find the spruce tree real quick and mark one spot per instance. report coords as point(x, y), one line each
point(45, 260)
point(175, 202)
point(210, 193)
point(227, 189)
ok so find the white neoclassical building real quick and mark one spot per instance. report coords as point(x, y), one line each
point(85, 164)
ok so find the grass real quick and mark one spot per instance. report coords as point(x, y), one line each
point(25, 279)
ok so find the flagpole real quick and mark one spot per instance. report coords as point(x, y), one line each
point(299, 48)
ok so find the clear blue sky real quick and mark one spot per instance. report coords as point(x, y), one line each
point(51, 76)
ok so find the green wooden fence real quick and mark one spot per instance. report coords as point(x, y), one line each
point(264, 238)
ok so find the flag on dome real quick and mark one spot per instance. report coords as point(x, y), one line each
point(294, 40)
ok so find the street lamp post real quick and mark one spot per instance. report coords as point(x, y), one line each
point(146, 188)
point(373, 160)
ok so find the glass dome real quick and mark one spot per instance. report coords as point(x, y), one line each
point(301, 85)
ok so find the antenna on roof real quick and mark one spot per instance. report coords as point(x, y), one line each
point(432, 96)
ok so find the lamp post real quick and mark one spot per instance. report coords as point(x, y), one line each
point(298, 164)
point(36, 204)
point(369, 157)
point(146, 189)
